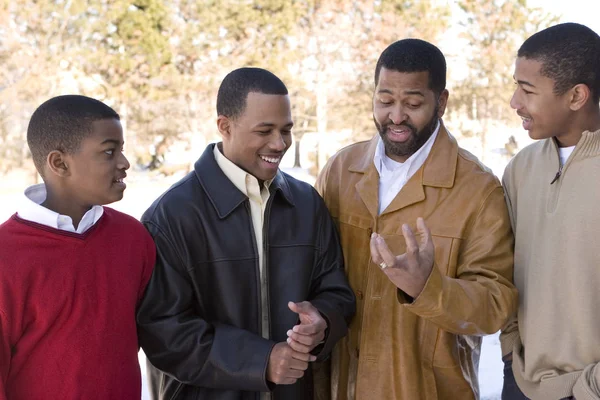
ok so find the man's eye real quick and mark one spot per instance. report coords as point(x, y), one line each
point(263, 132)
point(109, 152)
point(286, 132)
point(414, 105)
point(386, 102)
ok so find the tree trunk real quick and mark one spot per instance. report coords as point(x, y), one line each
point(297, 153)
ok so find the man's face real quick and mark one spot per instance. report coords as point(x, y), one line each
point(257, 139)
point(544, 113)
point(97, 169)
point(406, 111)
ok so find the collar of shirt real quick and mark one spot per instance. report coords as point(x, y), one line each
point(564, 153)
point(245, 182)
point(413, 162)
point(31, 209)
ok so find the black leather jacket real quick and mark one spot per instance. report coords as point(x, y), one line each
point(200, 319)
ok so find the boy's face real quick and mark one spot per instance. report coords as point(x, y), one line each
point(97, 169)
point(257, 140)
point(544, 113)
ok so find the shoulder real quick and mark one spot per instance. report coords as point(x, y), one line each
point(472, 171)
point(125, 223)
point(526, 155)
point(8, 233)
point(176, 197)
point(302, 192)
point(349, 153)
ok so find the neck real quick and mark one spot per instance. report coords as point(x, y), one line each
point(587, 122)
point(64, 205)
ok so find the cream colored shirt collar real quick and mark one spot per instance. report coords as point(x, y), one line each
point(393, 175)
point(32, 210)
point(240, 178)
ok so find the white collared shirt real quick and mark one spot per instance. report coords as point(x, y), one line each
point(31, 209)
point(393, 175)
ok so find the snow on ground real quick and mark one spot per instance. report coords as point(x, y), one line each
point(144, 188)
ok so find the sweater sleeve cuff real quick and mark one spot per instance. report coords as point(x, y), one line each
point(507, 342)
point(587, 387)
point(428, 302)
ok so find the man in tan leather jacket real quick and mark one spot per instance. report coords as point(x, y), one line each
point(427, 243)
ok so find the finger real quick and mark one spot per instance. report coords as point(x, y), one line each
point(297, 346)
point(305, 357)
point(412, 248)
point(288, 381)
point(386, 255)
point(309, 329)
point(375, 256)
point(298, 365)
point(307, 340)
point(303, 307)
point(424, 232)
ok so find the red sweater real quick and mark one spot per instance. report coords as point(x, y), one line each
point(67, 309)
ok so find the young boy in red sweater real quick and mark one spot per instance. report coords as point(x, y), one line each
point(71, 271)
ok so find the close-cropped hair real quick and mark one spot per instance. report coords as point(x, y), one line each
point(569, 54)
point(414, 55)
point(233, 92)
point(61, 123)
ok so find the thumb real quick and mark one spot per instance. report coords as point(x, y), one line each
point(303, 307)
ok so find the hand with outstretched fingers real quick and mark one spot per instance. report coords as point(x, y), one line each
point(408, 271)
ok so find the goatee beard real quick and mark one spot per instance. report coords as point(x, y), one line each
point(415, 142)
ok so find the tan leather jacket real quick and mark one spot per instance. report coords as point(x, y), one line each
point(428, 348)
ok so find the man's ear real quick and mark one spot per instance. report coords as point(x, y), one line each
point(224, 126)
point(56, 163)
point(442, 102)
point(580, 94)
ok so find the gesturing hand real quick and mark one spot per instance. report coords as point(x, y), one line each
point(408, 271)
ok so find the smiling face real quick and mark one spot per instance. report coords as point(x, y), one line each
point(406, 111)
point(544, 113)
point(256, 140)
point(97, 169)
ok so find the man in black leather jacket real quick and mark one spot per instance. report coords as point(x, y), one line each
point(249, 286)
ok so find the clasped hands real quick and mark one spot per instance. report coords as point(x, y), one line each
point(289, 359)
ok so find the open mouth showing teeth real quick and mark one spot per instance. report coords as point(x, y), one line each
point(118, 180)
point(271, 160)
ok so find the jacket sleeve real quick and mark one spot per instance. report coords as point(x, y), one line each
point(5, 354)
point(510, 332)
point(481, 298)
point(180, 343)
point(330, 292)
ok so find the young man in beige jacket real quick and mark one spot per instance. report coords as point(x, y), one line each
point(552, 350)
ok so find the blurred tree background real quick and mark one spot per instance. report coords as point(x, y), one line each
point(159, 64)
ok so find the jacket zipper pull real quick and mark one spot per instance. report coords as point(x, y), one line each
point(557, 175)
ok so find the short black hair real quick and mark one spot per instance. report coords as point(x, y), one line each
point(569, 54)
point(415, 55)
point(61, 123)
point(233, 92)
